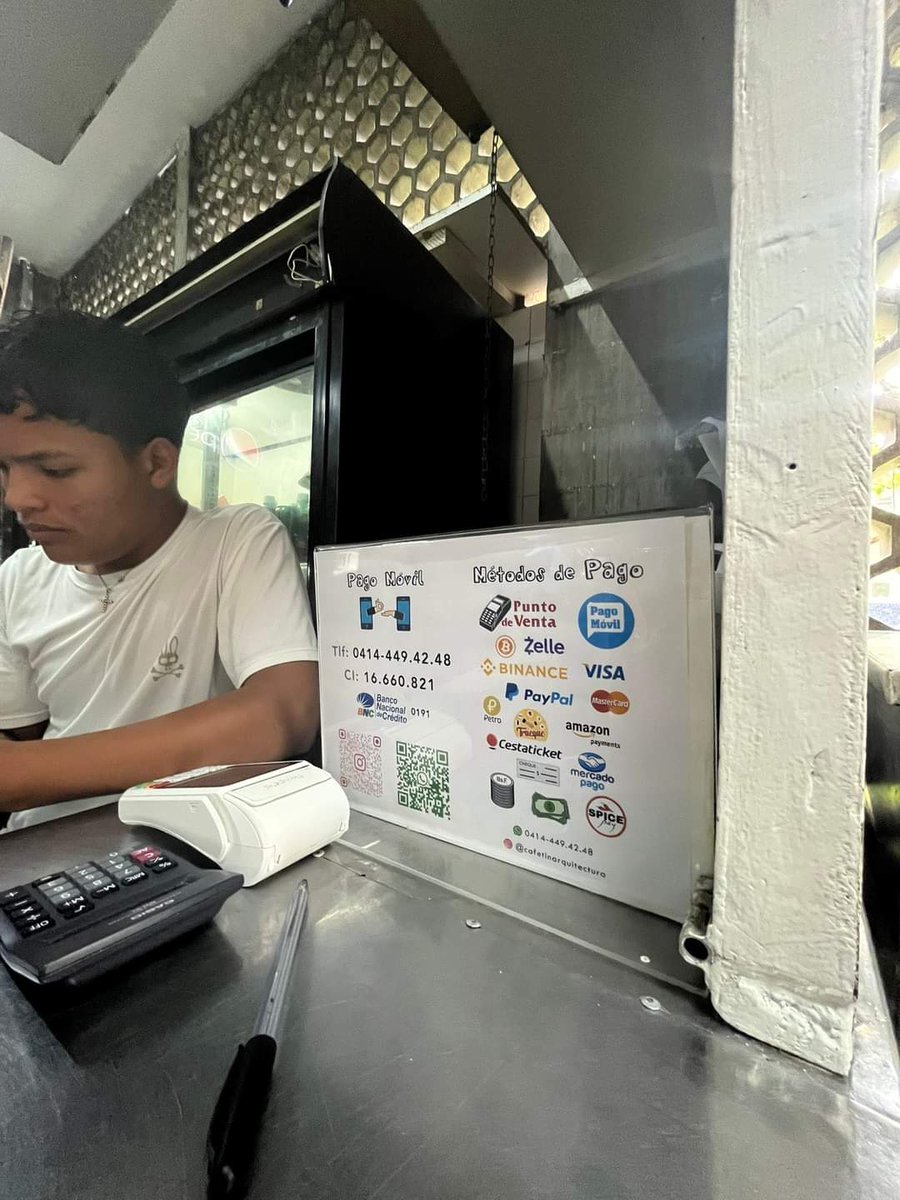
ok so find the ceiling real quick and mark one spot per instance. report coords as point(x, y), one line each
point(57, 59)
point(617, 111)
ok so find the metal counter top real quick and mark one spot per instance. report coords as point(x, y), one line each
point(420, 1060)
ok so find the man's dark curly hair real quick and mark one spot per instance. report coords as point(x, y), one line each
point(94, 373)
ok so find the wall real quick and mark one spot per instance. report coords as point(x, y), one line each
point(786, 906)
point(336, 90)
point(629, 368)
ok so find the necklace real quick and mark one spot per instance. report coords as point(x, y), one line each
point(106, 600)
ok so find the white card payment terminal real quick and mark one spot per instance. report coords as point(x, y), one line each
point(255, 818)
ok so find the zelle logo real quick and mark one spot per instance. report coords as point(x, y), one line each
point(543, 646)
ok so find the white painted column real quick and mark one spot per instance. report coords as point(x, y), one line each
point(786, 905)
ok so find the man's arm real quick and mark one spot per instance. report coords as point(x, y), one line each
point(273, 716)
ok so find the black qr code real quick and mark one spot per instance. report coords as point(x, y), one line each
point(423, 779)
point(360, 768)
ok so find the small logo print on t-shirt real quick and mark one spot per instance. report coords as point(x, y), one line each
point(168, 662)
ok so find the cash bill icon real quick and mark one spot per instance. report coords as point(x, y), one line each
point(550, 807)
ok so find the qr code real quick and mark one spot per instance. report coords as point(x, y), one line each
point(360, 764)
point(423, 779)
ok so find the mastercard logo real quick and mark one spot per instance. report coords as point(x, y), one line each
point(616, 703)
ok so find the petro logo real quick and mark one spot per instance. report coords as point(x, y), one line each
point(616, 703)
point(491, 706)
point(591, 762)
point(365, 700)
point(606, 621)
point(606, 816)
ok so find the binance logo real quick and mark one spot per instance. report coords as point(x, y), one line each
point(488, 667)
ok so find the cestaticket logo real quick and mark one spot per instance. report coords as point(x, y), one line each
point(606, 621)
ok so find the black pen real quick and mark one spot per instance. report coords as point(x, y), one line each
point(234, 1127)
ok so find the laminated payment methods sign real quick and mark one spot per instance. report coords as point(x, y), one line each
point(543, 696)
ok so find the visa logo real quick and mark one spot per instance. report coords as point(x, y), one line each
point(603, 671)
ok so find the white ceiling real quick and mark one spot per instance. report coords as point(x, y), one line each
point(197, 58)
point(59, 59)
point(617, 111)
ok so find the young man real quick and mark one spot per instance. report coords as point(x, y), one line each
point(138, 637)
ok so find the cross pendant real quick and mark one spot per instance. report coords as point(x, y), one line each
point(106, 602)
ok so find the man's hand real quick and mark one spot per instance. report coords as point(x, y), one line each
point(274, 716)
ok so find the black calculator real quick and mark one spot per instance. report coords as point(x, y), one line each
point(76, 924)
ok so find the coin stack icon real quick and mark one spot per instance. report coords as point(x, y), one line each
point(503, 790)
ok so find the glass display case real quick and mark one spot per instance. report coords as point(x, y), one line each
point(255, 449)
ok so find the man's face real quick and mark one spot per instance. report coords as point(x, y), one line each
point(76, 492)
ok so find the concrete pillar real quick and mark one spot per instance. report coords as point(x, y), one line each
point(788, 861)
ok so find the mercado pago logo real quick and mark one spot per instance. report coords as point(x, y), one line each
point(591, 771)
point(606, 621)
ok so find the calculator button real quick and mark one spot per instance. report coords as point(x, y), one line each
point(146, 856)
point(16, 905)
point(13, 896)
point(104, 890)
point(163, 864)
point(36, 927)
point(26, 914)
point(132, 877)
point(73, 908)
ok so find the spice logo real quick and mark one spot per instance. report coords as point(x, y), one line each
point(606, 816)
point(616, 703)
point(531, 726)
point(606, 621)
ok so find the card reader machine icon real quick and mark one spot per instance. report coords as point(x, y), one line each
point(494, 612)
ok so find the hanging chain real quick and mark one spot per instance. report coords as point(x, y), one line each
point(489, 322)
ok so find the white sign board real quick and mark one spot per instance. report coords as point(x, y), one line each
point(542, 695)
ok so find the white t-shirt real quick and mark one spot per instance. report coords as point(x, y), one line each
point(221, 599)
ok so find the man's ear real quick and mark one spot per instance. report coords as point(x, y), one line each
point(159, 459)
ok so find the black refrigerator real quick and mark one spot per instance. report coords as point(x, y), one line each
point(338, 375)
